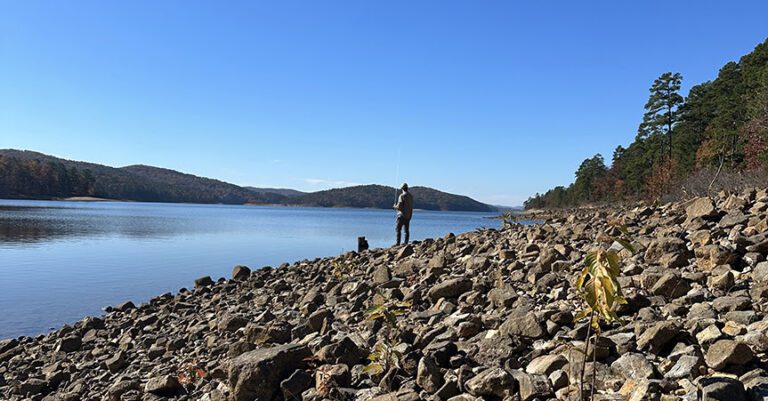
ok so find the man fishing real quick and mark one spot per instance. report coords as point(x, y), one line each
point(404, 207)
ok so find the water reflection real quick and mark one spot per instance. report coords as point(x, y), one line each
point(34, 227)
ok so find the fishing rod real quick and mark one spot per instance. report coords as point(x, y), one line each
point(397, 174)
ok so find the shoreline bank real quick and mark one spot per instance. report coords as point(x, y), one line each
point(487, 314)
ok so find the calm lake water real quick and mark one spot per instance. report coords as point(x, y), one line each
point(62, 261)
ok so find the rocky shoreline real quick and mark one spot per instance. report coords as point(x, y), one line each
point(486, 315)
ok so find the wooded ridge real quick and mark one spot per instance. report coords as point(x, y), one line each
point(33, 175)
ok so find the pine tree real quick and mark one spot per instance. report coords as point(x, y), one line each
point(661, 110)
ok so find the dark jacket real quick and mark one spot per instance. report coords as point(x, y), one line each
point(404, 205)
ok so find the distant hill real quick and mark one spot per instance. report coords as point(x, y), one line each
point(383, 197)
point(33, 175)
point(26, 174)
point(280, 191)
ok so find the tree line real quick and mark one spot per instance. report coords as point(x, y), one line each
point(720, 127)
point(35, 179)
point(32, 175)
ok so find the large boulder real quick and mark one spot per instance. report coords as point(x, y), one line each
point(257, 374)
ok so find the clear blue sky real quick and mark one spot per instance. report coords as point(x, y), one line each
point(494, 99)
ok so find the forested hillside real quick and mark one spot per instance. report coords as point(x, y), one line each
point(25, 174)
point(383, 197)
point(32, 175)
point(717, 134)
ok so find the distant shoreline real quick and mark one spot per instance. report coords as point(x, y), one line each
point(93, 199)
point(88, 199)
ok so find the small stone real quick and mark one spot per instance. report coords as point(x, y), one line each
point(241, 273)
point(203, 282)
point(404, 252)
point(116, 362)
point(451, 288)
point(428, 375)
point(709, 335)
point(70, 344)
point(125, 306)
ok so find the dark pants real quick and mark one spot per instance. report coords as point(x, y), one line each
point(402, 222)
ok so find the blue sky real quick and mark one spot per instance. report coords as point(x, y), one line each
point(494, 99)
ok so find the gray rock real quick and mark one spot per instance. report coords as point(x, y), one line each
point(381, 275)
point(634, 366)
point(117, 390)
point(491, 382)
point(241, 273)
point(546, 364)
point(729, 304)
point(125, 306)
point(451, 288)
point(728, 352)
point(685, 367)
point(204, 282)
point(231, 323)
point(257, 374)
point(671, 286)
point(70, 344)
point(404, 252)
point(502, 297)
point(721, 389)
point(166, 385)
point(662, 246)
point(700, 208)
point(655, 338)
point(760, 272)
point(116, 363)
point(428, 375)
point(523, 322)
point(532, 386)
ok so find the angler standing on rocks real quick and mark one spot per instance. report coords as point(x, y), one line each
point(404, 207)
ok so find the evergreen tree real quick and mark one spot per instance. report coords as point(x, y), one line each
point(661, 110)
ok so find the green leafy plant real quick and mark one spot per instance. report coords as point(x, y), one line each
point(385, 355)
point(599, 287)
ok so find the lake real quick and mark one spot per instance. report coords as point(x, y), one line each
point(62, 261)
